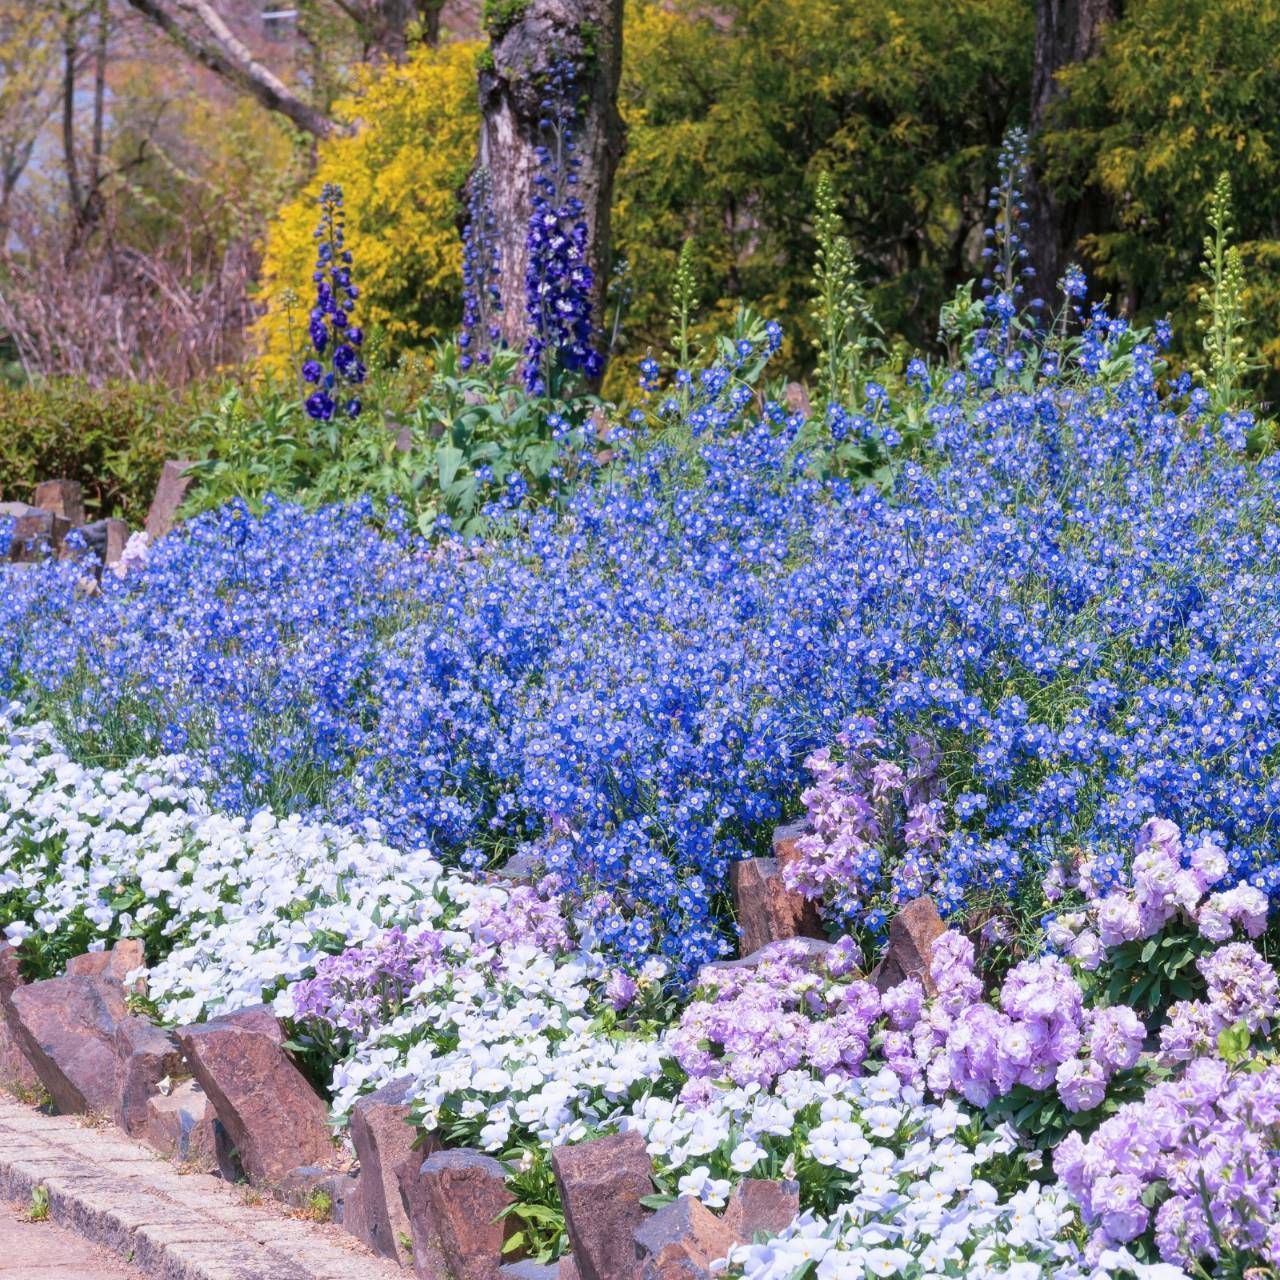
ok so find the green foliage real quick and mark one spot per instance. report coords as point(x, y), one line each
point(444, 444)
point(113, 440)
point(539, 1231)
point(1222, 302)
point(733, 111)
point(501, 15)
point(38, 1210)
point(1181, 91)
point(847, 329)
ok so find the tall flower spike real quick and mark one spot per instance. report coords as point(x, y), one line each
point(1005, 254)
point(481, 259)
point(335, 369)
point(558, 279)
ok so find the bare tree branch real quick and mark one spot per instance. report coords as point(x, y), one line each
point(222, 53)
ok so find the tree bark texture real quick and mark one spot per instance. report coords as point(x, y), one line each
point(1067, 31)
point(533, 40)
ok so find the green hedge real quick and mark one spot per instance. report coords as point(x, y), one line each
point(112, 439)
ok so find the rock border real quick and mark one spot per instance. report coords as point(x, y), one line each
point(170, 1225)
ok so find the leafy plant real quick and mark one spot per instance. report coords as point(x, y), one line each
point(847, 330)
point(38, 1210)
point(1222, 302)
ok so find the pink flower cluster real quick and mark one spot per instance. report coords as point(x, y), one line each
point(1167, 882)
point(875, 828)
point(1212, 1137)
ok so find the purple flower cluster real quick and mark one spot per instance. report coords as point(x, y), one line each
point(365, 987)
point(1167, 883)
point(521, 917)
point(336, 368)
point(481, 260)
point(875, 827)
point(558, 279)
point(780, 1016)
point(1205, 1149)
point(1242, 990)
point(1040, 1037)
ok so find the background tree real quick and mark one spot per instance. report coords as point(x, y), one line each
point(732, 113)
point(1068, 32)
point(1179, 92)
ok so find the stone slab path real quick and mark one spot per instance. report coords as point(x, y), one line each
point(46, 1251)
point(166, 1225)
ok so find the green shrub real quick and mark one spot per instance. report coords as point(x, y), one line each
point(112, 439)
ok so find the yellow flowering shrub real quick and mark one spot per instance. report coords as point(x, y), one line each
point(400, 170)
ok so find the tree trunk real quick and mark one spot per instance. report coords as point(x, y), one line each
point(384, 30)
point(1067, 31)
point(542, 34)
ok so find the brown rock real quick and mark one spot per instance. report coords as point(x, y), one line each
point(171, 490)
point(182, 1125)
point(912, 933)
point(10, 975)
point(63, 498)
point(66, 1029)
point(302, 1188)
point(568, 1269)
point(681, 1241)
point(114, 965)
point(36, 534)
point(428, 1261)
point(16, 1073)
point(767, 910)
point(454, 1199)
point(785, 840)
point(383, 1139)
point(761, 1205)
point(145, 1055)
point(273, 1116)
point(601, 1184)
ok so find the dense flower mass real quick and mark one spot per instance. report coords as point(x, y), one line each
point(1074, 604)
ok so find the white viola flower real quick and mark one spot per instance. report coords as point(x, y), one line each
point(746, 1156)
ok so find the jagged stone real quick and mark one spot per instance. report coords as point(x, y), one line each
point(761, 1205)
point(114, 965)
point(912, 933)
point(383, 1139)
point(145, 1056)
point(63, 498)
point(175, 480)
point(767, 911)
point(66, 1029)
point(453, 1200)
point(601, 1185)
point(275, 1119)
point(182, 1125)
point(16, 1073)
point(681, 1241)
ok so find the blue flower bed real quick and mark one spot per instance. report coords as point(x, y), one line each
point(1071, 593)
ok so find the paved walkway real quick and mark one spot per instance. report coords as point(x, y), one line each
point(46, 1251)
point(114, 1193)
